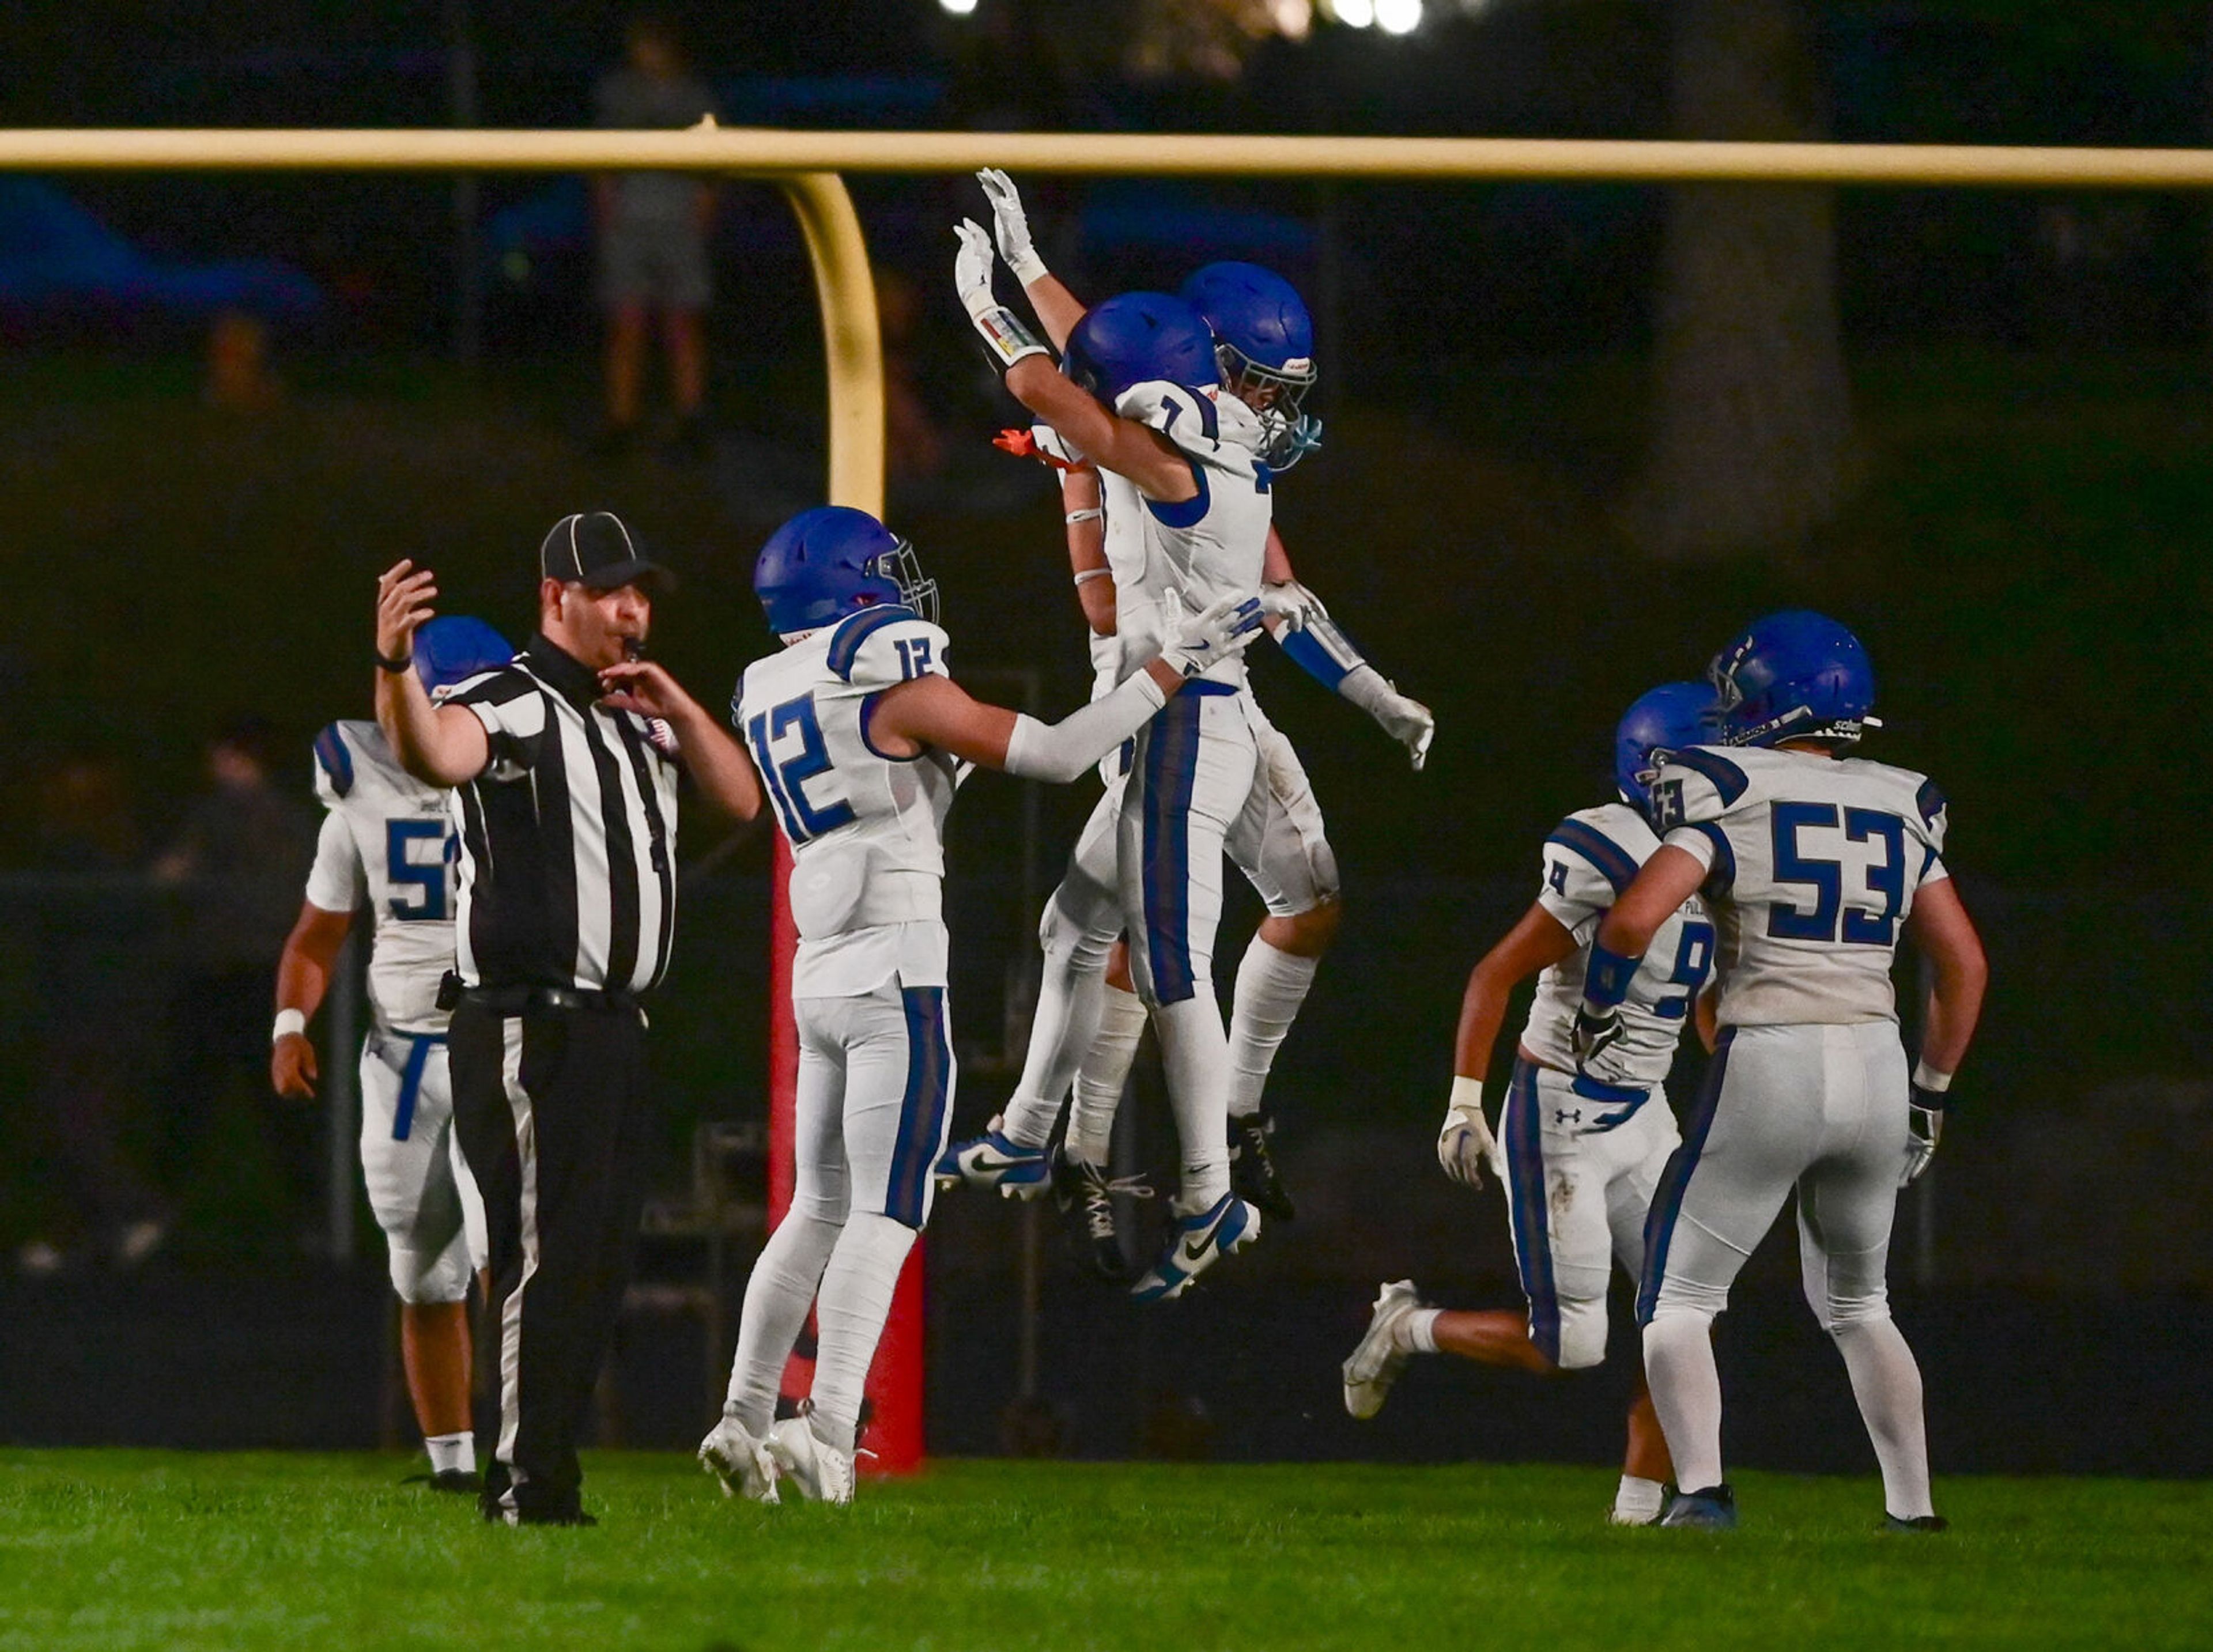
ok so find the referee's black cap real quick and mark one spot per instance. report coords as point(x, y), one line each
point(595, 547)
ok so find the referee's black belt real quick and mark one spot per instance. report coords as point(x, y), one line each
point(521, 1000)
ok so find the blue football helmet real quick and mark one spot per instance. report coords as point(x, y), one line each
point(1263, 343)
point(832, 561)
point(454, 648)
point(1135, 338)
point(1661, 723)
point(1793, 675)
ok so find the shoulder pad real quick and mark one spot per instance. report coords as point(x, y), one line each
point(1931, 802)
point(882, 646)
point(1697, 784)
point(1611, 860)
point(334, 775)
point(1190, 418)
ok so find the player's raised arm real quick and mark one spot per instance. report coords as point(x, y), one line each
point(933, 711)
point(716, 763)
point(1465, 1144)
point(1122, 445)
point(1058, 309)
point(445, 746)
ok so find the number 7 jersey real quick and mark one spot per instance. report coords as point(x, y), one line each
point(1813, 863)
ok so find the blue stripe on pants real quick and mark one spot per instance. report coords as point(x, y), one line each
point(1525, 1186)
point(922, 1110)
point(410, 1082)
point(1170, 776)
point(1675, 1180)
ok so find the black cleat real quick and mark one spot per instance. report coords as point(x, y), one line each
point(1252, 1175)
point(1919, 1523)
point(459, 1481)
point(1713, 1510)
point(1086, 1196)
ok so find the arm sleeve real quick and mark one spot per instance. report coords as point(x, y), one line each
point(1059, 752)
point(337, 882)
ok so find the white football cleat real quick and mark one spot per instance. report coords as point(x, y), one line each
point(821, 1471)
point(741, 1461)
point(1376, 1359)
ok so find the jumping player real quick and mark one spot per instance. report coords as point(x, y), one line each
point(1814, 862)
point(1581, 1156)
point(388, 840)
point(859, 736)
point(1263, 343)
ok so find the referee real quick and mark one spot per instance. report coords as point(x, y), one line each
point(565, 766)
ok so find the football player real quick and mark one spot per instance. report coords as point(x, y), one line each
point(1814, 862)
point(1263, 341)
point(1581, 1156)
point(859, 736)
point(388, 840)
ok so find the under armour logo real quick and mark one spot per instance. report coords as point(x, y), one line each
point(1566, 1116)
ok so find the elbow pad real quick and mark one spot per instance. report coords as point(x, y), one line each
point(1323, 652)
point(1059, 752)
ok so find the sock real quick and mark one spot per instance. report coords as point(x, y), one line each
point(1638, 1499)
point(1105, 1073)
point(1686, 1392)
point(1888, 1384)
point(1067, 1019)
point(857, 1298)
point(1271, 984)
point(778, 1293)
point(1417, 1332)
point(450, 1452)
point(1197, 1056)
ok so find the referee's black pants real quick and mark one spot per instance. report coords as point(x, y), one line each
point(551, 1111)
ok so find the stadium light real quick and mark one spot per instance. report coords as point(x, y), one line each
point(1354, 13)
point(958, 7)
point(1398, 16)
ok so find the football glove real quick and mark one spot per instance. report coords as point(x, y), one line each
point(1199, 642)
point(1595, 1032)
point(1293, 604)
point(1924, 1128)
point(1006, 340)
point(1406, 721)
point(1011, 226)
point(1465, 1144)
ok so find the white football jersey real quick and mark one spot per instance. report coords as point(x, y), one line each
point(866, 829)
point(1813, 862)
point(1189, 555)
point(1589, 859)
point(388, 839)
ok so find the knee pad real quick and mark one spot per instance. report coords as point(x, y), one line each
point(1840, 1314)
point(424, 1278)
point(1083, 941)
point(1676, 1294)
point(1582, 1335)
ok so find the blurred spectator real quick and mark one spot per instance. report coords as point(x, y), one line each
point(913, 449)
point(95, 964)
point(653, 236)
point(238, 377)
point(241, 858)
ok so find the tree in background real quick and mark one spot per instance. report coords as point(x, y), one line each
point(1750, 444)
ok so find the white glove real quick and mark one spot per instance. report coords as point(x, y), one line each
point(1465, 1144)
point(1924, 1128)
point(1406, 721)
point(972, 270)
point(1011, 226)
point(1199, 642)
point(1293, 604)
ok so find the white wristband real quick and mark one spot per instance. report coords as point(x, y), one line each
point(1029, 271)
point(1466, 1093)
point(1091, 516)
point(288, 1022)
point(1926, 1077)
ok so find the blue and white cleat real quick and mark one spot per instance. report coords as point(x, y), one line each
point(1713, 1510)
point(992, 1160)
point(1195, 1244)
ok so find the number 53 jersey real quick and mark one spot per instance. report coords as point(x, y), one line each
point(867, 829)
point(1813, 863)
point(388, 839)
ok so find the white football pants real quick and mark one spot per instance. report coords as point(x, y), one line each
point(419, 1187)
point(1578, 1189)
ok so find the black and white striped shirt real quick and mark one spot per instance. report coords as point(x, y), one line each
point(568, 838)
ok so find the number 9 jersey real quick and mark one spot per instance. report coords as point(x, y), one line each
point(866, 828)
point(388, 839)
point(1812, 867)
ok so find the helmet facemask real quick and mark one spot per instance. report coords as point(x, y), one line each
point(1275, 394)
point(904, 568)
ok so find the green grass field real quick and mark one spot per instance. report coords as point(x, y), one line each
point(123, 1550)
